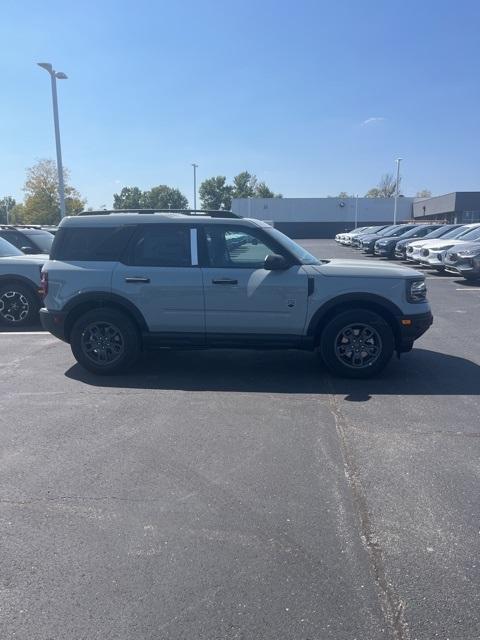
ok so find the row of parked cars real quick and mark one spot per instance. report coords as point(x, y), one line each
point(454, 248)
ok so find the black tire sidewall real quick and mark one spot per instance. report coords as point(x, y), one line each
point(331, 330)
point(130, 336)
point(33, 302)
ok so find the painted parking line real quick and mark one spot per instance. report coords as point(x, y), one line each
point(24, 333)
point(469, 289)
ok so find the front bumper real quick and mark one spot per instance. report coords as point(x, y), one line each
point(410, 328)
point(53, 322)
point(464, 266)
point(382, 251)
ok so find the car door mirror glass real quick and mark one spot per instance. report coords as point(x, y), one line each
point(275, 262)
point(27, 250)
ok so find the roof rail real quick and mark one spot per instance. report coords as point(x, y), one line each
point(219, 213)
point(19, 226)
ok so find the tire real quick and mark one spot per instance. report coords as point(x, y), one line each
point(105, 341)
point(470, 277)
point(339, 354)
point(19, 305)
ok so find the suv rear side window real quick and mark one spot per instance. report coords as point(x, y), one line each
point(103, 244)
point(161, 245)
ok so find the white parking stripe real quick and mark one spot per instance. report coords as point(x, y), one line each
point(24, 333)
point(469, 289)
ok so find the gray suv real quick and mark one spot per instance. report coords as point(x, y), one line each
point(118, 283)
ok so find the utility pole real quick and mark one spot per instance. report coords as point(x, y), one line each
point(54, 76)
point(397, 185)
point(195, 166)
point(356, 211)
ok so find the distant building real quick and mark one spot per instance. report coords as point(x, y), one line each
point(459, 206)
point(322, 217)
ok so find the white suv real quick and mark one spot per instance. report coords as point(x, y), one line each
point(118, 283)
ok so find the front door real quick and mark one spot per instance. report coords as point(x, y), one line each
point(241, 297)
point(161, 277)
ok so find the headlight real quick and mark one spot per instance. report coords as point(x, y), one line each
point(469, 253)
point(416, 291)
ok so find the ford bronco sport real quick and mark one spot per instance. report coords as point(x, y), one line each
point(120, 282)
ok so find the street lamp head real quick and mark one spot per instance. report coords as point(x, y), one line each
point(61, 76)
point(46, 65)
point(399, 159)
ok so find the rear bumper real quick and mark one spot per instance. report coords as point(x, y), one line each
point(53, 322)
point(410, 328)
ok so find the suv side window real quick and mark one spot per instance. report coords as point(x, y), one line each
point(18, 240)
point(236, 248)
point(161, 245)
point(90, 243)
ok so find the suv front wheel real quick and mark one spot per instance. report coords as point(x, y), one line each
point(105, 341)
point(357, 344)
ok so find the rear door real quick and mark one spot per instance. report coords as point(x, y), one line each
point(241, 297)
point(161, 276)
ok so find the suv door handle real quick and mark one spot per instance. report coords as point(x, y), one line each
point(224, 281)
point(137, 279)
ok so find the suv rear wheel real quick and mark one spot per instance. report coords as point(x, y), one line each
point(18, 305)
point(357, 344)
point(105, 341)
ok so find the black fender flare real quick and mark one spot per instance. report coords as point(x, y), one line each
point(348, 300)
point(30, 284)
point(101, 299)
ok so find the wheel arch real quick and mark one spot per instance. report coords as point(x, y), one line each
point(26, 282)
point(85, 302)
point(366, 301)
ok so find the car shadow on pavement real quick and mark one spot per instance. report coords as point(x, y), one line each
point(420, 372)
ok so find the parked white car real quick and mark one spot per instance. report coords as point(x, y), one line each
point(433, 256)
point(346, 238)
point(414, 247)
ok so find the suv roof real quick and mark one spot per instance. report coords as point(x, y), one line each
point(210, 213)
point(142, 216)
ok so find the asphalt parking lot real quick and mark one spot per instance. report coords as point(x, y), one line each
point(244, 495)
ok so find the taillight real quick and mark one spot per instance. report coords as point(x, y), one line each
point(43, 284)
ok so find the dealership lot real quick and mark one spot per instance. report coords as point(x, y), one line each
point(244, 495)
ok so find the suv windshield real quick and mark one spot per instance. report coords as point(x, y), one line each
point(441, 232)
point(473, 234)
point(299, 252)
point(7, 249)
point(42, 239)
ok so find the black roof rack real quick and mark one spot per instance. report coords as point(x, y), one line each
point(186, 212)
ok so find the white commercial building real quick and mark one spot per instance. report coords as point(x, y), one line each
point(322, 217)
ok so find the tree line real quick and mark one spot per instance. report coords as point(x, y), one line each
point(41, 204)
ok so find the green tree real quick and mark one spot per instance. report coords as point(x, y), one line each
point(7, 203)
point(160, 197)
point(42, 201)
point(244, 185)
point(215, 193)
point(344, 194)
point(163, 197)
point(129, 198)
point(424, 193)
point(373, 193)
point(262, 191)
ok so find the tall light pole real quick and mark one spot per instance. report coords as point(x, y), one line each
point(195, 166)
point(54, 76)
point(397, 185)
point(356, 211)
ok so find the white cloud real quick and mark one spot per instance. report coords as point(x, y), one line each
point(373, 120)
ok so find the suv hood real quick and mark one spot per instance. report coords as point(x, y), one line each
point(439, 244)
point(462, 246)
point(39, 259)
point(365, 269)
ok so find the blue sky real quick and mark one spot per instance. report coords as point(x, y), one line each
point(314, 97)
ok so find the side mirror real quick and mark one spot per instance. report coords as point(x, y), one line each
point(27, 250)
point(274, 262)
